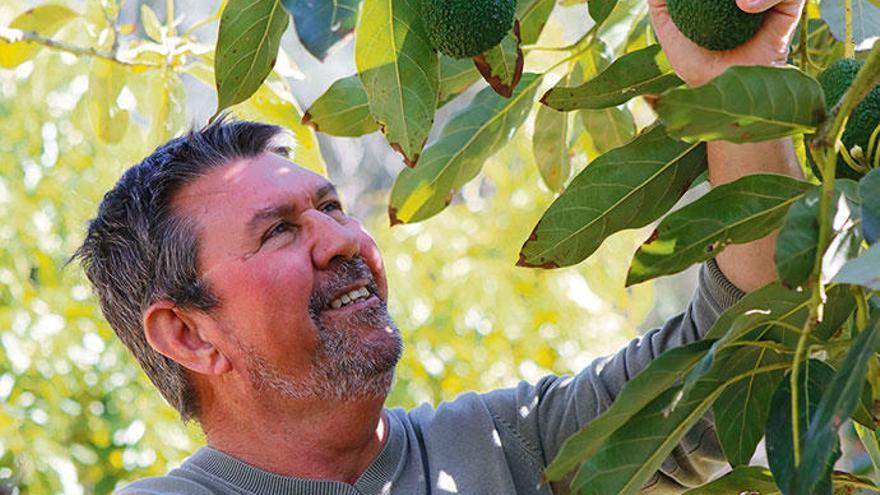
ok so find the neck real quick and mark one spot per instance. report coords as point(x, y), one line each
point(316, 439)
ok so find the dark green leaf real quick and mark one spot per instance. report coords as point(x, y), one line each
point(774, 303)
point(321, 24)
point(799, 236)
point(741, 410)
point(399, 70)
point(247, 44)
point(456, 75)
point(669, 368)
point(601, 9)
point(814, 378)
point(470, 138)
point(837, 403)
point(533, 15)
point(742, 480)
point(502, 65)
point(626, 188)
point(745, 104)
point(641, 72)
point(869, 191)
point(632, 454)
point(864, 270)
point(342, 110)
point(733, 213)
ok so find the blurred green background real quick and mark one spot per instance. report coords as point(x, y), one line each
point(77, 416)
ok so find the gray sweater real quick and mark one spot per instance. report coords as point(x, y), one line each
point(493, 443)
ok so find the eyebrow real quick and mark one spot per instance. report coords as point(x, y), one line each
point(285, 209)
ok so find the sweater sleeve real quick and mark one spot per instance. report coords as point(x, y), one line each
point(548, 412)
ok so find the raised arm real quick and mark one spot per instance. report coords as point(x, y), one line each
point(748, 266)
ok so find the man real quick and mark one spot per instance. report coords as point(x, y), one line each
point(257, 307)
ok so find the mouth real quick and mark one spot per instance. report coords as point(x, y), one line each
point(351, 295)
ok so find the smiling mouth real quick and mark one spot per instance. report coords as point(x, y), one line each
point(351, 296)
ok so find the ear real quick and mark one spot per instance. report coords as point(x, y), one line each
point(174, 333)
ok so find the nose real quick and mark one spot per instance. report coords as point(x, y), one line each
point(330, 238)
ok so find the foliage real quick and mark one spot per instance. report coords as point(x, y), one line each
point(762, 352)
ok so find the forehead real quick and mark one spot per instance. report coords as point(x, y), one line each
point(238, 189)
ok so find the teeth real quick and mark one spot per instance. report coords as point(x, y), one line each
point(352, 296)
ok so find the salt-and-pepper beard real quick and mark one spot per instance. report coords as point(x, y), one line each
point(348, 365)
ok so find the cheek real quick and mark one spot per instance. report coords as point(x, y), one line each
point(271, 283)
point(370, 252)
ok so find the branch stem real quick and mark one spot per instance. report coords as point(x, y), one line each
point(15, 35)
point(825, 142)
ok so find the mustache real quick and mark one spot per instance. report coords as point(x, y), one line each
point(341, 273)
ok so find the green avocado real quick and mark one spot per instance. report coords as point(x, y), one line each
point(467, 28)
point(714, 24)
point(835, 81)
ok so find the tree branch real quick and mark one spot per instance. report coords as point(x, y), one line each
point(16, 36)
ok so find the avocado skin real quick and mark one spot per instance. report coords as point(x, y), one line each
point(714, 24)
point(835, 81)
point(467, 28)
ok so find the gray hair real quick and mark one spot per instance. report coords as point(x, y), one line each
point(137, 251)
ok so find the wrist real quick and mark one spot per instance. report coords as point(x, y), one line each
point(730, 161)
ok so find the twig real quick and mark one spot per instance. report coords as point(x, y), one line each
point(16, 35)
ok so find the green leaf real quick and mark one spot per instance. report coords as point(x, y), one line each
point(456, 75)
point(641, 72)
point(467, 141)
point(45, 19)
point(106, 80)
point(838, 401)
point(799, 236)
point(533, 15)
point(865, 20)
point(632, 454)
point(814, 378)
point(869, 191)
point(320, 25)
point(742, 480)
point(152, 26)
point(741, 410)
point(342, 110)
point(399, 71)
point(667, 369)
point(502, 65)
point(626, 188)
point(871, 441)
point(601, 9)
point(745, 104)
point(737, 212)
point(608, 128)
point(551, 141)
point(247, 44)
point(864, 270)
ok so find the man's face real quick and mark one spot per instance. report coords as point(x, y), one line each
point(301, 285)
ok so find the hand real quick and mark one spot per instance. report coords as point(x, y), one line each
point(697, 65)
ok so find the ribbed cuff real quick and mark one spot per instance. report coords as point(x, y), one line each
point(722, 291)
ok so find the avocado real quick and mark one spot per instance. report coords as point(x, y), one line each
point(714, 24)
point(467, 28)
point(835, 81)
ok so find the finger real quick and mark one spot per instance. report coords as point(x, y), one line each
point(756, 6)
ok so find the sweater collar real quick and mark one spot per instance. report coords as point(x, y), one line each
point(250, 479)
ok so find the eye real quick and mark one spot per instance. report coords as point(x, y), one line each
point(331, 206)
point(276, 230)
